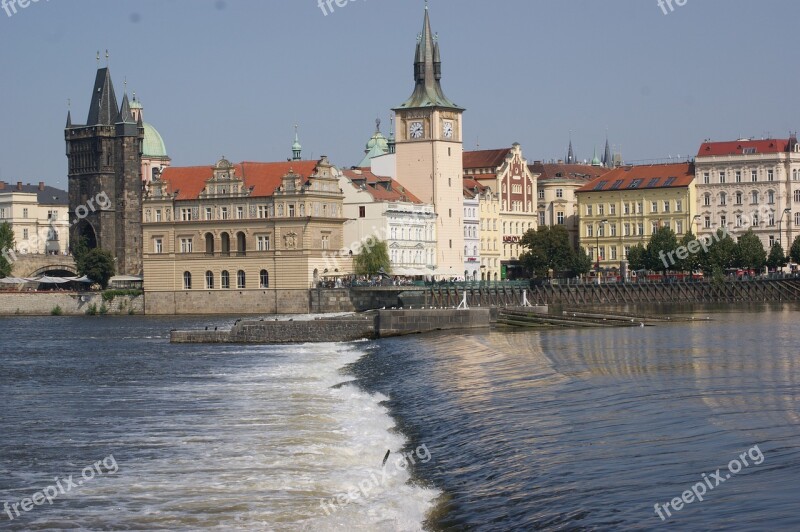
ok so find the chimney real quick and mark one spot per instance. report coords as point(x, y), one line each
point(19, 185)
point(41, 186)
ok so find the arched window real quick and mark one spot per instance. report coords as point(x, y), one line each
point(210, 280)
point(707, 200)
point(723, 198)
point(187, 281)
point(240, 279)
point(264, 278)
point(738, 198)
point(226, 279)
point(225, 248)
point(771, 197)
point(209, 244)
point(797, 195)
point(754, 195)
point(241, 244)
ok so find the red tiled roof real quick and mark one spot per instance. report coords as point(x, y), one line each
point(482, 177)
point(582, 172)
point(485, 158)
point(737, 147)
point(396, 192)
point(264, 178)
point(470, 187)
point(654, 176)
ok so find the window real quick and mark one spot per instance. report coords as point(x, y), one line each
point(560, 217)
point(771, 219)
point(186, 215)
point(707, 200)
point(653, 227)
point(613, 252)
point(601, 230)
point(754, 175)
point(612, 209)
point(738, 198)
point(653, 182)
point(224, 212)
point(25, 234)
point(797, 195)
point(291, 210)
point(654, 206)
point(601, 209)
point(158, 245)
point(362, 212)
point(326, 244)
point(678, 205)
point(613, 229)
point(771, 197)
point(626, 209)
point(24, 213)
point(239, 213)
point(626, 230)
point(262, 211)
point(516, 189)
point(641, 228)
point(262, 243)
point(722, 177)
point(738, 176)
point(588, 210)
point(707, 222)
point(797, 218)
point(263, 277)
point(635, 183)
point(639, 208)
point(226, 279)
point(541, 194)
point(770, 175)
point(158, 215)
point(240, 279)
point(186, 245)
point(755, 219)
point(616, 184)
point(754, 196)
point(209, 280)
point(666, 206)
point(2, 213)
point(679, 227)
point(706, 178)
point(723, 199)
point(723, 220)
point(589, 230)
point(209, 214)
point(627, 250)
point(541, 218)
point(187, 281)
point(559, 192)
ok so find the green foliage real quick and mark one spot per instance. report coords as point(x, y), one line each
point(374, 257)
point(97, 264)
point(56, 311)
point(548, 248)
point(91, 310)
point(692, 260)
point(637, 258)
point(6, 244)
point(103, 309)
point(721, 253)
point(582, 263)
point(794, 251)
point(777, 258)
point(662, 242)
point(749, 252)
point(109, 295)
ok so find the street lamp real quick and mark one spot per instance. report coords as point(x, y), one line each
point(787, 210)
point(597, 247)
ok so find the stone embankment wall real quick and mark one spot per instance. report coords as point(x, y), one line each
point(401, 322)
point(70, 303)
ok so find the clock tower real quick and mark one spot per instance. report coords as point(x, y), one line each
point(429, 151)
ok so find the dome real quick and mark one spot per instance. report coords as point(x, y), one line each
point(134, 104)
point(378, 140)
point(153, 143)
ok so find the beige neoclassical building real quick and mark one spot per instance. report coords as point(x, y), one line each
point(247, 237)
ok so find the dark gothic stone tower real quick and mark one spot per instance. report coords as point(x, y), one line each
point(105, 160)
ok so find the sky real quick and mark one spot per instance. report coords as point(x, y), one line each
point(233, 77)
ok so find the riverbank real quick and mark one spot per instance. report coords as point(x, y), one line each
point(68, 304)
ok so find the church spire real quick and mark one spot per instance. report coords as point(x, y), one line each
point(297, 149)
point(607, 160)
point(570, 153)
point(125, 114)
point(428, 71)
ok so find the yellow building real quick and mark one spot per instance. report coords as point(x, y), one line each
point(625, 206)
point(250, 237)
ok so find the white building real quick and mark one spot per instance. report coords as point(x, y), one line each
point(746, 184)
point(38, 215)
point(378, 207)
point(472, 236)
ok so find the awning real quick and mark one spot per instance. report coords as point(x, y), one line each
point(12, 280)
point(126, 279)
point(83, 279)
point(44, 279)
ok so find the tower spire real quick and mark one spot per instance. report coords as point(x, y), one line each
point(103, 109)
point(570, 153)
point(296, 147)
point(607, 162)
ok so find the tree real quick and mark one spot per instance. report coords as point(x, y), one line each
point(637, 258)
point(721, 253)
point(692, 260)
point(582, 263)
point(749, 252)
point(794, 251)
point(373, 258)
point(777, 258)
point(663, 242)
point(98, 265)
point(6, 246)
point(548, 248)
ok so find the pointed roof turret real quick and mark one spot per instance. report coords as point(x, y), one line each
point(103, 109)
point(607, 160)
point(570, 154)
point(595, 159)
point(69, 119)
point(428, 72)
point(125, 115)
point(296, 147)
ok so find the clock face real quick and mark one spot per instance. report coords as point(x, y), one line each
point(448, 130)
point(416, 130)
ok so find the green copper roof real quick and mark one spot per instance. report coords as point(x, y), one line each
point(376, 151)
point(153, 143)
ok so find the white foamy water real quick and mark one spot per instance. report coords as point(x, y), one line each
point(256, 446)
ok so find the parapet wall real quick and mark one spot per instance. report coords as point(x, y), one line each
point(69, 303)
point(401, 322)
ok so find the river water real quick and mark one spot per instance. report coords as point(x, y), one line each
point(559, 430)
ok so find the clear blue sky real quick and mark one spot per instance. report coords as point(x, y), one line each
point(231, 77)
